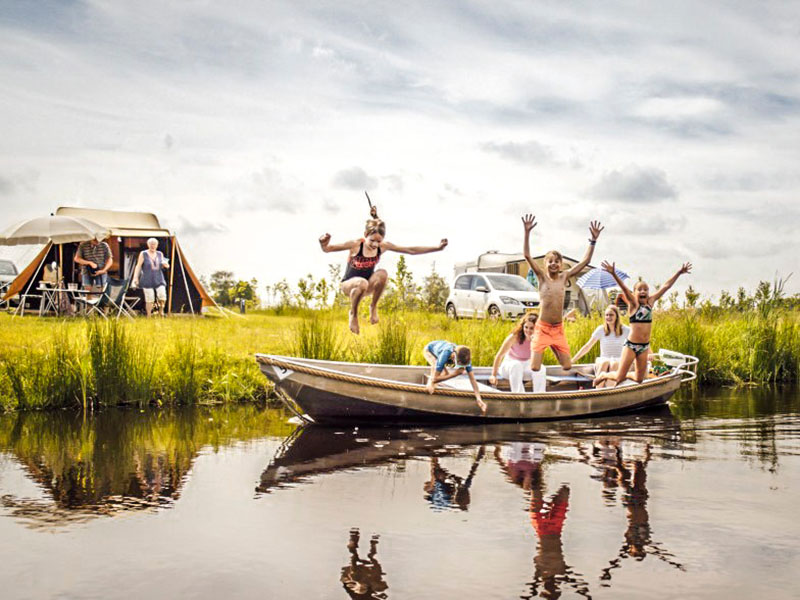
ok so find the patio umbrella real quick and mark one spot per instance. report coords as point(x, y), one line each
point(56, 229)
point(600, 279)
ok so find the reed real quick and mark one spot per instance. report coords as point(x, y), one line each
point(316, 337)
point(50, 363)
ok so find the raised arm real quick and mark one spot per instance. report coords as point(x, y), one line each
point(413, 249)
point(325, 244)
point(529, 222)
point(686, 268)
point(498, 358)
point(612, 268)
point(594, 232)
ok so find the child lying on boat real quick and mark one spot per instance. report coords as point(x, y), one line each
point(440, 354)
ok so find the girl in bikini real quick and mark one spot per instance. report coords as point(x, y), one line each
point(640, 308)
point(361, 279)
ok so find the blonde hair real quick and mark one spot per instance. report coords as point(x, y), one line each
point(375, 226)
point(617, 322)
point(555, 253)
point(519, 328)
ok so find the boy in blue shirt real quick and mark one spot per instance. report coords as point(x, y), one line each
point(440, 354)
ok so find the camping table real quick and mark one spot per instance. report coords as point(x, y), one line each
point(49, 300)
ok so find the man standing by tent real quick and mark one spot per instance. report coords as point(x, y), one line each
point(90, 256)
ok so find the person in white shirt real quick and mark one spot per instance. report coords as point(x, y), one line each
point(611, 335)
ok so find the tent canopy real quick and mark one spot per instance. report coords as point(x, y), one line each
point(120, 223)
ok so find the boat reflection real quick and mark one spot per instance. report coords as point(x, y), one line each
point(311, 451)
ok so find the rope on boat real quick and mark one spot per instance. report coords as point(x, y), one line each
point(404, 387)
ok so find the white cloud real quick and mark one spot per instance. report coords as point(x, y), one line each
point(270, 120)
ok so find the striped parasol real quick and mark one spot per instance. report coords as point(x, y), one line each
point(600, 279)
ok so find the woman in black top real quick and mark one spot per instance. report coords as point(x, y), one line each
point(361, 279)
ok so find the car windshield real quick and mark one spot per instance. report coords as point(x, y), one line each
point(510, 283)
point(7, 268)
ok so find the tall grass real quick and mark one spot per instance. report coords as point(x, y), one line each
point(50, 363)
point(317, 337)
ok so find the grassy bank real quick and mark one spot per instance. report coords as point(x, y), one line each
point(48, 363)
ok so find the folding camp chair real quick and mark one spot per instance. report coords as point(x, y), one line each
point(112, 298)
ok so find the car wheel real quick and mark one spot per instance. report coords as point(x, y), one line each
point(451, 312)
point(494, 312)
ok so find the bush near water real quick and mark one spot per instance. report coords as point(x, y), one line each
point(51, 363)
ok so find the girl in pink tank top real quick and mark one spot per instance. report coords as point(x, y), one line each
point(512, 360)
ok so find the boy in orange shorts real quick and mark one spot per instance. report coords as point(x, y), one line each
point(549, 331)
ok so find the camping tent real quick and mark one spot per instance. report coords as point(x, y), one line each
point(129, 234)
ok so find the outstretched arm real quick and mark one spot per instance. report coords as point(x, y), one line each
point(529, 222)
point(686, 268)
point(478, 399)
point(414, 249)
point(585, 349)
point(325, 244)
point(594, 232)
point(612, 268)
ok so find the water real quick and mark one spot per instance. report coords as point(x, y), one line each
point(698, 501)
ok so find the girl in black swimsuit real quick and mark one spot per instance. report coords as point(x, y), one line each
point(361, 279)
point(640, 308)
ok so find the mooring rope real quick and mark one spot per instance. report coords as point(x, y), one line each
point(417, 388)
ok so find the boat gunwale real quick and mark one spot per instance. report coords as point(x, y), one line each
point(293, 363)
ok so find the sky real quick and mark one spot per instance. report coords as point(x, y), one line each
point(252, 128)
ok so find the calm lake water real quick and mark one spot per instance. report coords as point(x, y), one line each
point(698, 501)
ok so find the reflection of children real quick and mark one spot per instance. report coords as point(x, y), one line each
point(552, 289)
point(363, 578)
point(440, 354)
point(361, 279)
point(445, 490)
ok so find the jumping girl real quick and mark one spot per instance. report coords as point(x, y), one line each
point(640, 308)
point(361, 279)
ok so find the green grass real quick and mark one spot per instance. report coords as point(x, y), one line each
point(49, 363)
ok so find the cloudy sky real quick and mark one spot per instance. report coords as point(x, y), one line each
point(251, 128)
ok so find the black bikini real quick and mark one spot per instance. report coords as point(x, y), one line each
point(360, 265)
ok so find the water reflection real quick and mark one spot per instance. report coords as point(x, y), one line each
point(447, 490)
point(117, 460)
point(363, 578)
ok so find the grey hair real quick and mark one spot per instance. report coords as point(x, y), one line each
point(152, 240)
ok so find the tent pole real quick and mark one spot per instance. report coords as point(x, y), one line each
point(185, 283)
point(171, 274)
point(23, 298)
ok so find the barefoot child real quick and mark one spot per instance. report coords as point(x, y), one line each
point(552, 287)
point(361, 279)
point(640, 308)
point(439, 355)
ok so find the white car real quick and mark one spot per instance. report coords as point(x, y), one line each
point(8, 273)
point(493, 295)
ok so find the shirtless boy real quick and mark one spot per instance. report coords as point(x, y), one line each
point(552, 287)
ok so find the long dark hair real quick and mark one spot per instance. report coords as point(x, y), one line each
point(519, 329)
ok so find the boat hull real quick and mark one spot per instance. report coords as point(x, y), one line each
point(382, 394)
